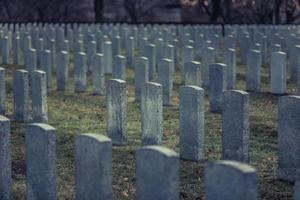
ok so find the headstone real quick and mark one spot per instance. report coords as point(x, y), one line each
point(188, 55)
point(53, 52)
point(107, 52)
point(151, 113)
point(16, 50)
point(5, 50)
point(245, 43)
point(5, 159)
point(2, 92)
point(217, 84)
point(46, 63)
point(40, 161)
point(91, 52)
point(165, 78)
point(39, 97)
point(253, 72)
point(116, 46)
point(98, 75)
point(278, 73)
point(294, 62)
point(80, 71)
point(230, 180)
point(93, 167)
point(150, 53)
point(207, 60)
point(235, 126)
point(288, 137)
point(192, 73)
point(157, 173)
point(117, 111)
point(30, 61)
point(230, 61)
point(119, 67)
point(191, 110)
point(130, 51)
point(62, 72)
point(21, 95)
point(141, 76)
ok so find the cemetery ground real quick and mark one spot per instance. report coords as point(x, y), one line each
point(73, 113)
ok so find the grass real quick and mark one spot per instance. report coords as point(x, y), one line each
point(71, 114)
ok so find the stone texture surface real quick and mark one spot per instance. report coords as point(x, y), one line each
point(253, 71)
point(117, 111)
point(5, 159)
point(192, 74)
point(39, 97)
point(93, 167)
point(141, 76)
point(151, 113)
point(278, 73)
point(98, 75)
point(157, 173)
point(217, 84)
point(40, 161)
point(191, 111)
point(62, 71)
point(2, 91)
point(235, 126)
point(288, 137)
point(230, 180)
point(80, 72)
point(21, 95)
point(165, 78)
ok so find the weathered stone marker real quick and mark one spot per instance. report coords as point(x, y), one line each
point(93, 167)
point(208, 59)
point(230, 180)
point(150, 53)
point(98, 75)
point(16, 50)
point(119, 67)
point(39, 97)
point(253, 74)
point(235, 126)
point(278, 73)
point(165, 78)
point(217, 84)
point(80, 70)
point(30, 61)
point(230, 61)
point(117, 111)
point(192, 73)
point(46, 63)
point(151, 117)
point(188, 55)
point(294, 62)
point(191, 110)
point(5, 159)
point(107, 52)
point(5, 50)
point(141, 76)
point(21, 95)
point(62, 68)
point(40, 161)
point(2, 91)
point(288, 137)
point(157, 173)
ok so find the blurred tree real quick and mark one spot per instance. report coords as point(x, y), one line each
point(141, 10)
point(98, 4)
